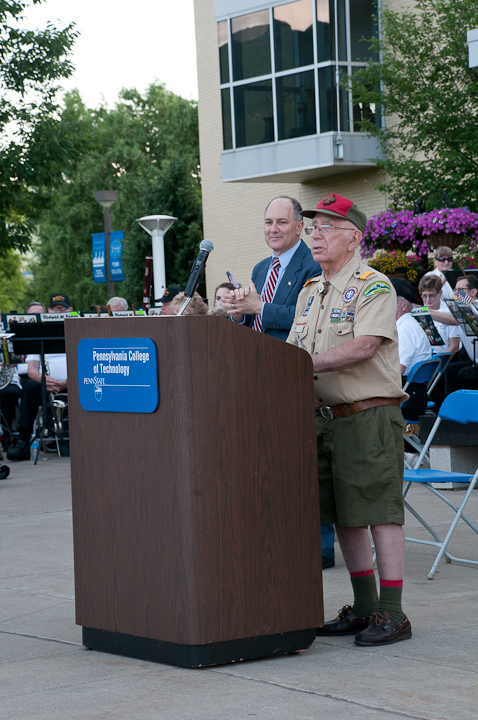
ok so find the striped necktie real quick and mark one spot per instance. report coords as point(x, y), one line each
point(268, 291)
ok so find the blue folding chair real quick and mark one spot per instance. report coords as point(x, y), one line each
point(444, 360)
point(421, 372)
point(462, 407)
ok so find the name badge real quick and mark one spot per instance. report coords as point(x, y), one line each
point(300, 327)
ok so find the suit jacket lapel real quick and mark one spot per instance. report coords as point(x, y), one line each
point(290, 276)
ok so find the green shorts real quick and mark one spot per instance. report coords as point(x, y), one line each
point(360, 460)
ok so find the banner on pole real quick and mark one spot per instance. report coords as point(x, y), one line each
point(116, 256)
point(99, 264)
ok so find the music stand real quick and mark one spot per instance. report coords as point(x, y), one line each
point(39, 339)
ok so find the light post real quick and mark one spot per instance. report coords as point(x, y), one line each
point(106, 198)
point(157, 226)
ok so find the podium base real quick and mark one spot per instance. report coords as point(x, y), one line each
point(196, 656)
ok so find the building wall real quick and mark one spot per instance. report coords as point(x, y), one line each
point(233, 212)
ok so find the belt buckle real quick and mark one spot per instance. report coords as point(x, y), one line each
point(326, 412)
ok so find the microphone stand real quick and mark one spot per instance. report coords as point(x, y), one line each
point(184, 306)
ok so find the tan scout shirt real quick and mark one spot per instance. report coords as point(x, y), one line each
point(360, 301)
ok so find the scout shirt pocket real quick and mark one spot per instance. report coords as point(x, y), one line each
point(340, 333)
point(301, 333)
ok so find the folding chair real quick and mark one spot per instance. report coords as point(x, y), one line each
point(462, 407)
point(421, 372)
point(444, 360)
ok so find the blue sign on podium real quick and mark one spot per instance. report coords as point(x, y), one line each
point(118, 375)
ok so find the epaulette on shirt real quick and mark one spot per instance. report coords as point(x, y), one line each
point(312, 280)
point(366, 274)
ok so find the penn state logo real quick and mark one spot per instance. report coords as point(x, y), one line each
point(98, 393)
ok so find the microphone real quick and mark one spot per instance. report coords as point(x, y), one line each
point(198, 268)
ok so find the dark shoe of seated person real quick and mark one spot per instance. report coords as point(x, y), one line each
point(327, 562)
point(346, 623)
point(4, 472)
point(21, 451)
point(384, 630)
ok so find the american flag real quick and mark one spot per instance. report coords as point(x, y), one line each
point(462, 295)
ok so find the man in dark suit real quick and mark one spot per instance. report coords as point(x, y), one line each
point(270, 309)
point(268, 304)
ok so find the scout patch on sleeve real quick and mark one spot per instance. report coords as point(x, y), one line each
point(376, 288)
point(349, 294)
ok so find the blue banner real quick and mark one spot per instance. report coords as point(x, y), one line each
point(116, 256)
point(118, 375)
point(99, 264)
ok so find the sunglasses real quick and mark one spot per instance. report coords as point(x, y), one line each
point(445, 259)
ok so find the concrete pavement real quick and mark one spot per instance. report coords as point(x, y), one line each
point(46, 674)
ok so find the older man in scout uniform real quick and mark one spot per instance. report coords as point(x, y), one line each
point(345, 319)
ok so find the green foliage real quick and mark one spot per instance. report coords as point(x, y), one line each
point(12, 283)
point(430, 97)
point(146, 148)
point(35, 146)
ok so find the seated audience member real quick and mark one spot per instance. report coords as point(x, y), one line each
point(454, 378)
point(222, 292)
point(9, 397)
point(33, 308)
point(117, 304)
point(430, 289)
point(56, 382)
point(443, 260)
point(197, 306)
point(169, 295)
point(413, 347)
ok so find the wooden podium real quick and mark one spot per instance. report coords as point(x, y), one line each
point(196, 527)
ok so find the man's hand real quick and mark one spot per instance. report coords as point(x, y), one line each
point(244, 301)
point(55, 386)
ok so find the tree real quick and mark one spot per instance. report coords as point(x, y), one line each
point(429, 96)
point(12, 282)
point(146, 148)
point(35, 146)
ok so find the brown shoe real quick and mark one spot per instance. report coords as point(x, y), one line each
point(384, 630)
point(346, 623)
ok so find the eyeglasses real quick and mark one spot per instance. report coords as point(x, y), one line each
point(325, 229)
point(445, 259)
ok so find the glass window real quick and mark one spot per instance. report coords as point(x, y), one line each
point(326, 30)
point(251, 49)
point(365, 111)
point(293, 45)
point(363, 24)
point(253, 113)
point(296, 105)
point(223, 51)
point(226, 119)
point(328, 101)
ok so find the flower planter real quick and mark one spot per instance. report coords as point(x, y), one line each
point(445, 239)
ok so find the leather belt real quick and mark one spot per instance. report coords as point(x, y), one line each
point(329, 413)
